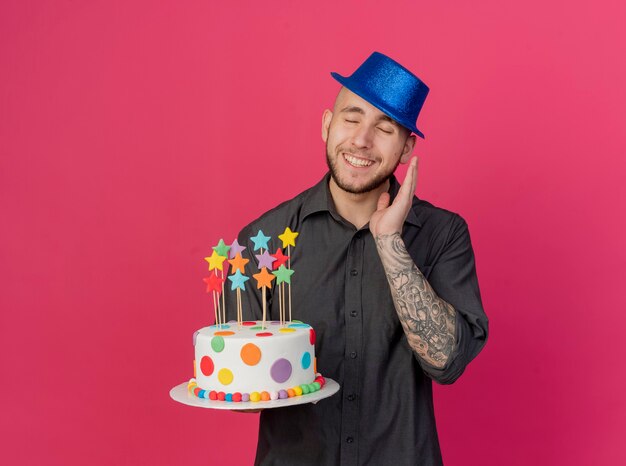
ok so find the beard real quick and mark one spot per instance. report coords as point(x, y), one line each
point(371, 185)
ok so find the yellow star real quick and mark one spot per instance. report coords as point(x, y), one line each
point(288, 238)
point(215, 261)
point(238, 263)
point(263, 278)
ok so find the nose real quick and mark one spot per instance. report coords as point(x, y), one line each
point(363, 136)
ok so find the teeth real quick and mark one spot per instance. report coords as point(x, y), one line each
point(357, 162)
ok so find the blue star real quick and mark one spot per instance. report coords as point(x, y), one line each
point(238, 280)
point(260, 241)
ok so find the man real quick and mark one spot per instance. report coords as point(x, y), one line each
point(387, 280)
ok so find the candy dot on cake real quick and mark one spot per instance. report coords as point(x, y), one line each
point(286, 330)
point(250, 354)
point(225, 376)
point(206, 365)
point(312, 336)
point(225, 333)
point(217, 343)
point(299, 326)
point(281, 370)
point(306, 360)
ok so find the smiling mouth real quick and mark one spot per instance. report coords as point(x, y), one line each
point(356, 161)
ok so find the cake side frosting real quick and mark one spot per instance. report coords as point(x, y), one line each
point(244, 362)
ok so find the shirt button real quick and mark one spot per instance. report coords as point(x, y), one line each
point(354, 272)
point(349, 440)
point(353, 355)
point(353, 313)
point(351, 397)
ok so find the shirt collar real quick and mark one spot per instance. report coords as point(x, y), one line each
point(320, 200)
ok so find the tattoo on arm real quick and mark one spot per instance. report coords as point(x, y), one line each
point(428, 321)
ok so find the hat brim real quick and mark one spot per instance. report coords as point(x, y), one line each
point(354, 87)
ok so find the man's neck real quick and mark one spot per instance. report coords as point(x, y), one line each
point(356, 208)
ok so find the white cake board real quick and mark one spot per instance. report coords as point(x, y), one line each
point(181, 394)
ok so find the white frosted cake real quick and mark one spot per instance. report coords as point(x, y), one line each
point(246, 362)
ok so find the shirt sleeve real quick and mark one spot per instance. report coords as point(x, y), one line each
point(453, 277)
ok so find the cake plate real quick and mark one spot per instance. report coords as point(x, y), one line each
point(181, 394)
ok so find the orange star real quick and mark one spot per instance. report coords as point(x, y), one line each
point(263, 278)
point(238, 263)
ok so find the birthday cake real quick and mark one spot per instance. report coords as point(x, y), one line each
point(247, 362)
point(241, 361)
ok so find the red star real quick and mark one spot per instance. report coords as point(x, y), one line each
point(213, 282)
point(280, 258)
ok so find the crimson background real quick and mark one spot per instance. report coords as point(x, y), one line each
point(135, 134)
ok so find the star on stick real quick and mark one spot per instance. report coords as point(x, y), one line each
point(213, 282)
point(238, 263)
point(280, 258)
point(263, 278)
point(283, 274)
point(215, 261)
point(235, 249)
point(260, 241)
point(238, 280)
point(288, 238)
point(265, 260)
point(221, 248)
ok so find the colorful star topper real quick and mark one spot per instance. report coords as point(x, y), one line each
point(215, 261)
point(238, 263)
point(238, 280)
point(213, 282)
point(280, 258)
point(263, 278)
point(265, 260)
point(221, 248)
point(260, 241)
point(288, 238)
point(235, 249)
point(283, 274)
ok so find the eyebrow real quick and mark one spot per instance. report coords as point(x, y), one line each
point(355, 109)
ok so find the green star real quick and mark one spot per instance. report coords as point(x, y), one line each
point(221, 248)
point(283, 274)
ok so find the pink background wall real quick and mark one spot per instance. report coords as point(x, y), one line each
point(133, 135)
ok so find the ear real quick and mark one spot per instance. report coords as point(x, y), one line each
point(327, 116)
point(407, 150)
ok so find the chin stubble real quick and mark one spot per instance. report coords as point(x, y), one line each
point(375, 183)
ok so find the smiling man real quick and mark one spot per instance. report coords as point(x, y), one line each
point(387, 280)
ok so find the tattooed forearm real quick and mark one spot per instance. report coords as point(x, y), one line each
point(428, 320)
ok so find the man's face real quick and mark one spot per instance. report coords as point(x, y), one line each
point(363, 145)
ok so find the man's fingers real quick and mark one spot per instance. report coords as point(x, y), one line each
point(410, 181)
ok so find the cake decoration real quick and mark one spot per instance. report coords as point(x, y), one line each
point(280, 258)
point(238, 263)
point(221, 248)
point(265, 260)
point(235, 249)
point(264, 281)
point(256, 361)
point(260, 241)
point(215, 260)
point(288, 238)
point(215, 285)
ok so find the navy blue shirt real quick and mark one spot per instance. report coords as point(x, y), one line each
point(383, 413)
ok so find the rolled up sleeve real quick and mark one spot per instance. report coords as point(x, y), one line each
point(453, 277)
